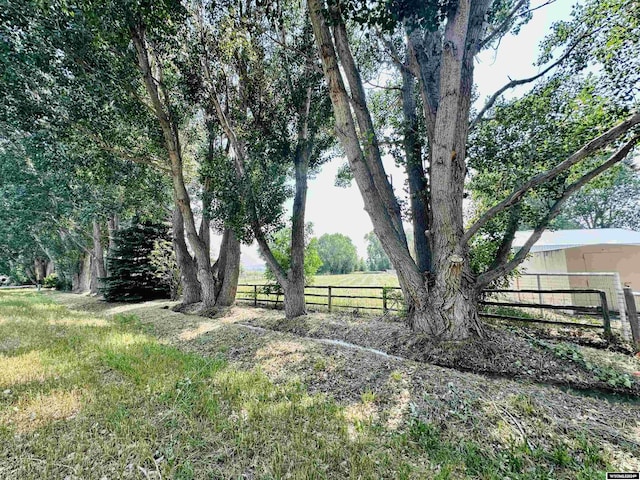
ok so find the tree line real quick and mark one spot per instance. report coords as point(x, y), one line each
point(210, 115)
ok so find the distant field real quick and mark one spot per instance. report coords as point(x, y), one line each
point(355, 279)
point(318, 297)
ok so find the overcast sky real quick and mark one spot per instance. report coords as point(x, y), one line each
point(332, 209)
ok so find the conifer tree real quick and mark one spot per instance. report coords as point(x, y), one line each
point(132, 276)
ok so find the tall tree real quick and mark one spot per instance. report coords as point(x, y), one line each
point(264, 89)
point(442, 40)
point(338, 253)
point(377, 260)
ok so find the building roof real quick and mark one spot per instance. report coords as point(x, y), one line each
point(561, 239)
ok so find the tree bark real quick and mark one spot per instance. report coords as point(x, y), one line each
point(98, 271)
point(81, 280)
point(113, 225)
point(228, 269)
point(40, 269)
point(418, 189)
point(294, 302)
point(186, 263)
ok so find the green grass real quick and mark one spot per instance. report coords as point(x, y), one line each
point(81, 397)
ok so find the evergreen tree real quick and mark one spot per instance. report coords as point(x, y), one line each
point(132, 275)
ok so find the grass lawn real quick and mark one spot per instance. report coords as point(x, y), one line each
point(84, 395)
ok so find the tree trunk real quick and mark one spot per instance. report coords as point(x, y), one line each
point(168, 124)
point(113, 225)
point(40, 269)
point(418, 190)
point(186, 263)
point(98, 271)
point(81, 279)
point(451, 312)
point(294, 303)
point(228, 269)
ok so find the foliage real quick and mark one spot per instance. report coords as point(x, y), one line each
point(605, 373)
point(132, 274)
point(338, 253)
point(280, 245)
point(163, 259)
point(610, 201)
point(54, 281)
point(377, 259)
point(542, 128)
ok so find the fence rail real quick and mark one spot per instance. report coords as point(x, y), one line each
point(389, 299)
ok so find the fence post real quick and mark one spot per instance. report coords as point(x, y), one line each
point(632, 316)
point(329, 298)
point(539, 293)
point(255, 295)
point(384, 300)
point(605, 315)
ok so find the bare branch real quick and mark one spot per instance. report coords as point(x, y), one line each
point(504, 26)
point(591, 147)
point(554, 211)
point(514, 83)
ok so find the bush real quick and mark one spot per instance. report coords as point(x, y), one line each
point(55, 281)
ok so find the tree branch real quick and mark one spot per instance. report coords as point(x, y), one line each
point(554, 211)
point(503, 27)
point(514, 83)
point(591, 147)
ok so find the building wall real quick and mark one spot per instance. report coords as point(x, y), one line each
point(624, 259)
point(551, 261)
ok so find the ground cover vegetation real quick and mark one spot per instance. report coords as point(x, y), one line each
point(141, 391)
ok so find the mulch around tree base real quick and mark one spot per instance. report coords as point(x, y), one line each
point(502, 352)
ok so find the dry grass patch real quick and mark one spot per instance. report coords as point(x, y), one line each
point(30, 414)
point(20, 369)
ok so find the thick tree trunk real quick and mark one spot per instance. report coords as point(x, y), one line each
point(40, 269)
point(186, 263)
point(113, 225)
point(228, 270)
point(82, 278)
point(418, 190)
point(294, 303)
point(451, 312)
point(98, 271)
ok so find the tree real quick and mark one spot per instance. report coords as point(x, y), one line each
point(338, 254)
point(132, 274)
point(440, 42)
point(377, 260)
point(265, 92)
point(281, 247)
point(612, 201)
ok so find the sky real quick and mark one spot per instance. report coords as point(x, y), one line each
point(334, 209)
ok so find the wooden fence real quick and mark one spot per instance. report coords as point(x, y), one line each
point(389, 299)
